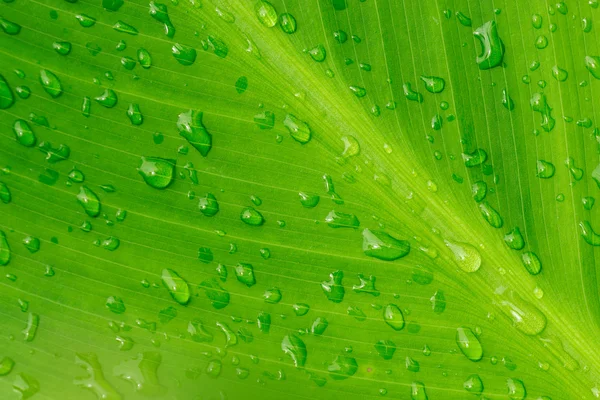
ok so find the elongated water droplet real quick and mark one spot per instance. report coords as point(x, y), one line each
point(50, 83)
point(524, 315)
point(25, 385)
point(134, 114)
point(589, 235)
point(490, 214)
point(89, 201)
point(198, 333)
point(532, 263)
point(492, 48)
point(592, 63)
point(438, 302)
point(6, 365)
point(466, 256)
point(539, 104)
point(177, 286)
point(6, 96)
point(157, 172)
point(159, 12)
point(85, 20)
point(294, 347)
point(5, 195)
point(62, 48)
point(479, 190)
point(507, 101)
point(392, 315)
point(417, 391)
point(468, 344)
point(299, 130)
point(385, 349)
point(337, 219)
point(381, 245)
point(115, 304)
point(10, 28)
point(333, 289)
point(218, 296)
point(309, 200)
point(33, 321)
point(190, 126)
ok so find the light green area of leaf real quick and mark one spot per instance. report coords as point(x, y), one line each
point(351, 206)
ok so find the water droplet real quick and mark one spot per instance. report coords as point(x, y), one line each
point(245, 274)
point(358, 91)
point(50, 83)
point(438, 302)
point(266, 13)
point(466, 256)
point(516, 389)
point(177, 286)
point(589, 235)
point(107, 99)
point(559, 74)
point(142, 373)
point(24, 134)
point(392, 315)
point(342, 367)
point(468, 344)
point(411, 364)
point(337, 219)
point(525, 317)
point(208, 205)
point(6, 365)
point(309, 200)
point(6, 96)
point(318, 53)
point(159, 12)
point(134, 114)
point(545, 169)
point(531, 262)
point(434, 84)
point(33, 321)
point(507, 101)
point(25, 385)
point(62, 48)
point(89, 201)
point(252, 217)
point(157, 172)
point(463, 19)
point(190, 126)
point(490, 214)
point(5, 195)
point(473, 384)
point(115, 304)
point(299, 130)
point(294, 347)
point(479, 190)
point(514, 239)
point(492, 48)
point(10, 28)
point(333, 289)
point(32, 244)
point(385, 349)
point(539, 104)
point(185, 55)
point(287, 22)
point(263, 321)
point(319, 326)
point(351, 146)
point(541, 42)
point(300, 309)
point(477, 157)
point(381, 245)
point(417, 391)
point(123, 27)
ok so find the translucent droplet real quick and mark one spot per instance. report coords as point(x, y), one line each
point(185, 55)
point(434, 84)
point(342, 367)
point(287, 22)
point(299, 130)
point(245, 274)
point(468, 344)
point(337, 219)
point(266, 13)
point(490, 214)
point(381, 245)
point(467, 257)
point(208, 205)
point(514, 239)
point(24, 134)
point(516, 389)
point(157, 172)
point(473, 384)
point(492, 48)
point(252, 217)
point(545, 169)
point(6, 96)
point(107, 99)
point(89, 201)
point(160, 13)
point(294, 347)
point(392, 315)
point(177, 286)
point(50, 83)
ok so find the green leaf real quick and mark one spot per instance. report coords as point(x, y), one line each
point(329, 199)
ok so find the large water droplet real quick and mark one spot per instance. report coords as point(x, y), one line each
point(157, 172)
point(294, 347)
point(381, 245)
point(466, 256)
point(177, 286)
point(89, 201)
point(190, 126)
point(468, 344)
point(392, 315)
point(492, 48)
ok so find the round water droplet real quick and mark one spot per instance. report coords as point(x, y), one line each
point(157, 172)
